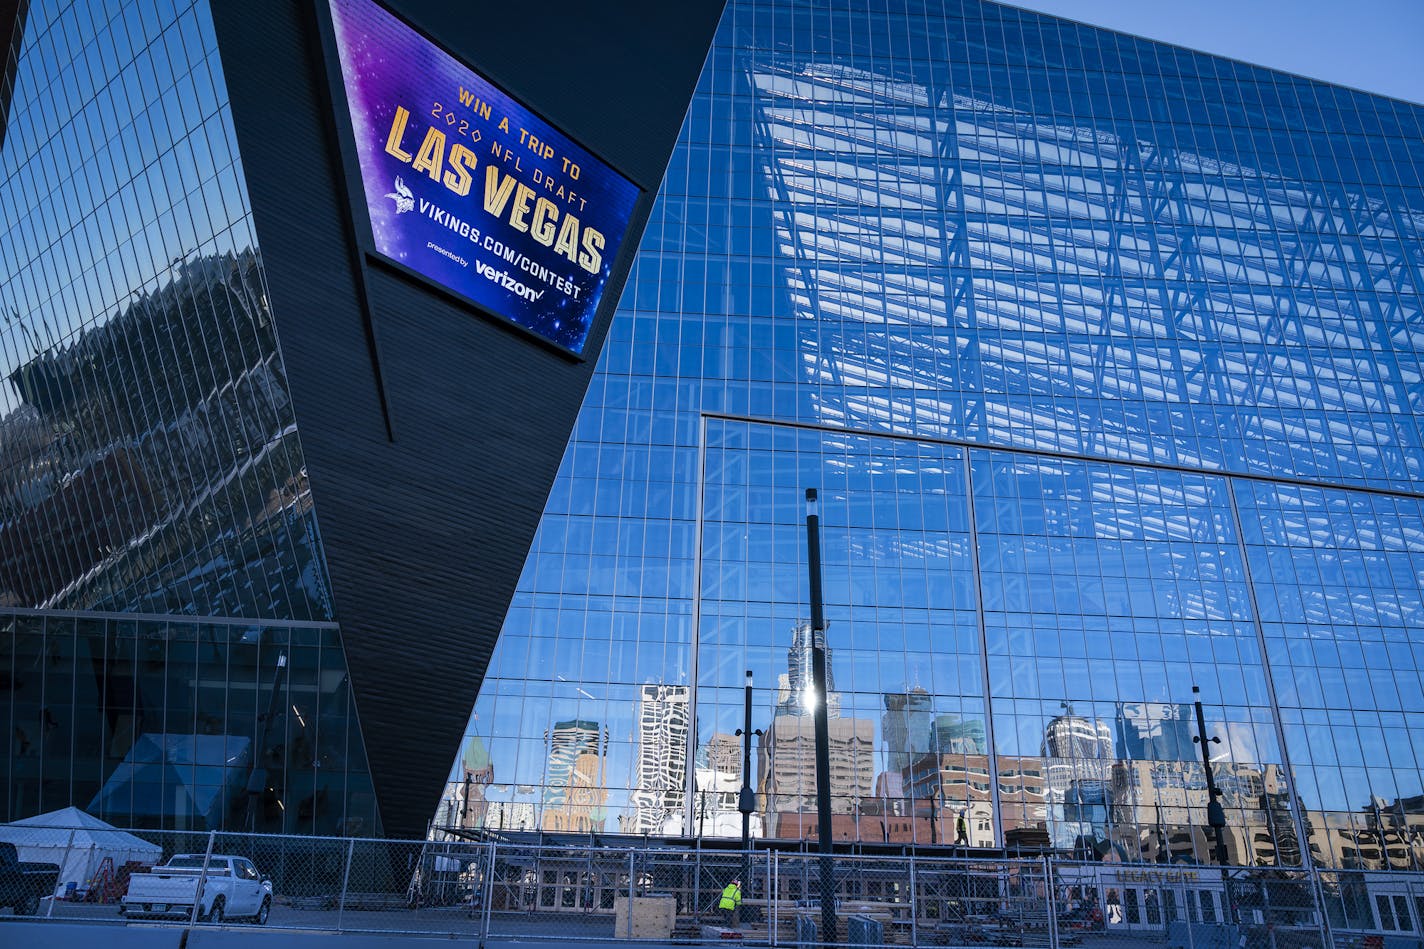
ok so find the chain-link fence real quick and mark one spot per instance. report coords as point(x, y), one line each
point(507, 890)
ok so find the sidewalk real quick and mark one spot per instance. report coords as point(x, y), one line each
point(15, 934)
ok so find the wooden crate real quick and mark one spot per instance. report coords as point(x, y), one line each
point(653, 916)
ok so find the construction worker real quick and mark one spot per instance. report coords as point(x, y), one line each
point(731, 900)
point(961, 828)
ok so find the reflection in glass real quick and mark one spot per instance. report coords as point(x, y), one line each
point(150, 464)
point(259, 735)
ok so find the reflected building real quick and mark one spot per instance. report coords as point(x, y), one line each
point(796, 694)
point(504, 816)
point(1381, 836)
point(1022, 787)
point(1155, 731)
point(717, 777)
point(469, 793)
point(786, 782)
point(1078, 759)
point(663, 718)
point(574, 791)
point(1165, 803)
point(906, 727)
point(466, 804)
point(943, 787)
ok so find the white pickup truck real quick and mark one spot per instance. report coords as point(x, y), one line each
point(231, 889)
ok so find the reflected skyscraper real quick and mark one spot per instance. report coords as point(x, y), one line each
point(950, 735)
point(796, 693)
point(663, 718)
point(1078, 750)
point(574, 791)
point(906, 727)
point(786, 781)
point(1078, 759)
point(1155, 731)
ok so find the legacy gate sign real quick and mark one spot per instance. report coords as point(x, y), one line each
point(469, 188)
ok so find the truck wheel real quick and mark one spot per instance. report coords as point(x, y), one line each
point(215, 913)
point(28, 906)
point(262, 913)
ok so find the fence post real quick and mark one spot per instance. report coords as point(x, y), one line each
point(489, 891)
point(1185, 909)
point(632, 855)
point(1317, 896)
point(1052, 897)
point(49, 913)
point(914, 904)
point(768, 897)
point(476, 887)
point(345, 882)
point(697, 884)
point(775, 895)
point(202, 880)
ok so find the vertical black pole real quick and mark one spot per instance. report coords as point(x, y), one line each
point(747, 800)
point(1215, 813)
point(821, 722)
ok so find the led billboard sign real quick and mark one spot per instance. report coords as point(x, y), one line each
point(469, 188)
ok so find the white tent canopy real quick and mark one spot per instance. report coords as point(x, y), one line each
point(78, 843)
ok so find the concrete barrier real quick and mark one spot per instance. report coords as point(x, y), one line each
point(15, 934)
point(1182, 935)
point(276, 939)
point(51, 935)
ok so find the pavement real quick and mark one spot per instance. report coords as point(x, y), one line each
point(89, 926)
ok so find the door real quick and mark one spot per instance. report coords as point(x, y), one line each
point(1205, 906)
point(247, 888)
point(1139, 908)
point(1392, 913)
point(217, 882)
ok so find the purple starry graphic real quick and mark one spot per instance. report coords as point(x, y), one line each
point(535, 263)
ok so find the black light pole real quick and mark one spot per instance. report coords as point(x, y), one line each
point(746, 801)
point(821, 722)
point(1215, 813)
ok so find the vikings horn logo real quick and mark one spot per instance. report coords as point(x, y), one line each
point(405, 201)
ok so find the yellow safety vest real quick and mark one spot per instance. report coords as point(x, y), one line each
point(731, 897)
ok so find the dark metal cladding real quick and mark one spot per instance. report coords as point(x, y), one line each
point(431, 433)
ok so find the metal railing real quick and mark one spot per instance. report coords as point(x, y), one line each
point(505, 890)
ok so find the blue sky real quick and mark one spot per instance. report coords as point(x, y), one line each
point(1375, 45)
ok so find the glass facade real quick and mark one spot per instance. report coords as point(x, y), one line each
point(1104, 356)
point(166, 638)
